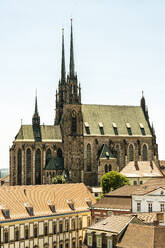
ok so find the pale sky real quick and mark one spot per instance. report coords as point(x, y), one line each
point(119, 51)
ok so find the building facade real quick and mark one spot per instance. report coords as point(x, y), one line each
point(85, 141)
point(49, 216)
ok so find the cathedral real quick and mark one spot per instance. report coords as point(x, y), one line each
point(85, 140)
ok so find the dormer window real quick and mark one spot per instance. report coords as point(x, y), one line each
point(71, 204)
point(101, 128)
point(29, 209)
point(51, 206)
point(142, 129)
point(6, 213)
point(115, 128)
point(86, 124)
point(129, 128)
point(89, 202)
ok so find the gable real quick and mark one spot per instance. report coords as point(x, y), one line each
point(109, 118)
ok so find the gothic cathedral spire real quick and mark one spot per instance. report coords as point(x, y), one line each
point(71, 66)
point(63, 76)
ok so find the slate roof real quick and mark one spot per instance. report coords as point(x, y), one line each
point(120, 115)
point(137, 236)
point(14, 198)
point(55, 163)
point(48, 133)
point(142, 169)
point(114, 223)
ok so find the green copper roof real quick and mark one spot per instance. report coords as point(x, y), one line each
point(106, 152)
point(103, 118)
point(55, 163)
point(47, 133)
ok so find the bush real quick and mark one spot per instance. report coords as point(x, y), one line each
point(113, 180)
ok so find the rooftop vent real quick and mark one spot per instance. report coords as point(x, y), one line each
point(114, 124)
point(86, 124)
point(5, 212)
point(128, 125)
point(100, 124)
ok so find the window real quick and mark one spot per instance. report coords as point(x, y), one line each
point(149, 207)
point(61, 227)
point(101, 128)
point(66, 225)
point(61, 245)
point(6, 236)
point(131, 153)
point(138, 206)
point(99, 242)
point(80, 223)
point(141, 182)
point(29, 209)
point(88, 157)
point(106, 168)
point(87, 127)
point(110, 167)
point(73, 244)
point(73, 224)
point(28, 166)
point(26, 232)
point(48, 155)
point(115, 128)
point(129, 128)
point(6, 213)
point(134, 182)
point(16, 234)
point(38, 167)
point(59, 153)
point(52, 208)
point(144, 153)
point(142, 129)
point(80, 243)
point(89, 240)
point(35, 231)
point(45, 229)
point(162, 207)
point(67, 245)
point(54, 227)
point(74, 122)
point(109, 243)
point(19, 168)
point(88, 221)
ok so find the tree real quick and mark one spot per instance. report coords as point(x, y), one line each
point(113, 180)
point(58, 179)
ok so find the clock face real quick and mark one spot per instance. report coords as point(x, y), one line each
point(73, 114)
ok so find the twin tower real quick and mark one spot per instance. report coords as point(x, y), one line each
point(69, 92)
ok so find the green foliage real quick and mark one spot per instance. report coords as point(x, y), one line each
point(99, 197)
point(113, 180)
point(58, 179)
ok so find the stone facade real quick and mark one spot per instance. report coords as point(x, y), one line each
point(80, 131)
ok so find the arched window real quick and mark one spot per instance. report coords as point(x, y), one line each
point(144, 153)
point(109, 167)
point(74, 122)
point(59, 153)
point(131, 153)
point(88, 157)
point(38, 167)
point(106, 168)
point(19, 168)
point(28, 166)
point(48, 155)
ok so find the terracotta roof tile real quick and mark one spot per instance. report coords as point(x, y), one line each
point(145, 169)
point(114, 203)
point(114, 223)
point(38, 196)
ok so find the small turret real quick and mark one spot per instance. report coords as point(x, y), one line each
point(36, 123)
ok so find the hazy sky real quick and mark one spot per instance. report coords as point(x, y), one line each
point(119, 50)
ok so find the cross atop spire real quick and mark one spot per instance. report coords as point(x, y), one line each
point(71, 66)
point(63, 60)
